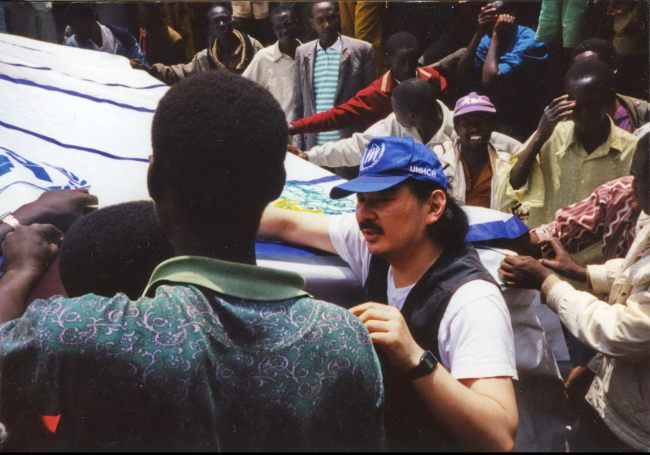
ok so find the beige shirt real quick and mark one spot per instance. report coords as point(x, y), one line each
point(274, 71)
point(564, 173)
point(620, 330)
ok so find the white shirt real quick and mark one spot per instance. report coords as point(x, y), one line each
point(475, 338)
point(108, 41)
point(274, 71)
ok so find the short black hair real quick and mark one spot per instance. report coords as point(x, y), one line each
point(82, 10)
point(597, 69)
point(284, 8)
point(112, 250)
point(416, 95)
point(226, 5)
point(311, 7)
point(155, 7)
point(605, 51)
point(452, 227)
point(219, 143)
point(401, 40)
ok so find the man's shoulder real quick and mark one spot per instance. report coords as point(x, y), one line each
point(306, 47)
point(355, 44)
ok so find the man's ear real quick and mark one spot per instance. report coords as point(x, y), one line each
point(436, 204)
point(154, 179)
point(311, 23)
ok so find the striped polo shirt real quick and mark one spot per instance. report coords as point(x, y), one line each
point(326, 77)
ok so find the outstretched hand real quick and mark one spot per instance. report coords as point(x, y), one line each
point(388, 330)
point(58, 207)
point(522, 272)
point(296, 151)
point(563, 264)
point(559, 109)
point(140, 65)
point(31, 249)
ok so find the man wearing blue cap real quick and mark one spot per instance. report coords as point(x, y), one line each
point(436, 314)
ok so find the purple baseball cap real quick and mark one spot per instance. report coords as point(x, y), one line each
point(473, 103)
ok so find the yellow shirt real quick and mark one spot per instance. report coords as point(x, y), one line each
point(564, 173)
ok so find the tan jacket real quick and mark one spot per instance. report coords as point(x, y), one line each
point(620, 330)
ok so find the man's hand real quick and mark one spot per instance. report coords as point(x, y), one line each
point(296, 151)
point(388, 330)
point(563, 264)
point(559, 109)
point(522, 272)
point(504, 26)
point(58, 207)
point(140, 65)
point(31, 249)
point(486, 18)
point(292, 129)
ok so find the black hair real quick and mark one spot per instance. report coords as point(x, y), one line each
point(401, 40)
point(114, 249)
point(643, 146)
point(605, 51)
point(452, 227)
point(311, 7)
point(284, 8)
point(81, 10)
point(416, 95)
point(597, 69)
point(219, 142)
point(226, 5)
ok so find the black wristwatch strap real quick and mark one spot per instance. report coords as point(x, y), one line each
point(428, 363)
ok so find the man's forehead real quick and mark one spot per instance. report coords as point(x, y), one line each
point(218, 11)
point(324, 8)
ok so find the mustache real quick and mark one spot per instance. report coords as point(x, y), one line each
point(368, 224)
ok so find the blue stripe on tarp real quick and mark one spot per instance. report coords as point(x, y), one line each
point(268, 248)
point(329, 178)
point(45, 68)
point(73, 147)
point(73, 93)
point(509, 229)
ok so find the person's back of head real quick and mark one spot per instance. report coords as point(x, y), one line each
point(113, 250)
point(598, 49)
point(416, 99)
point(81, 17)
point(219, 143)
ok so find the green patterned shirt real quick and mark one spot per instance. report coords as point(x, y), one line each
point(224, 356)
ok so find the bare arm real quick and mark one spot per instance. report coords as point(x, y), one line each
point(559, 109)
point(481, 414)
point(300, 228)
point(502, 30)
point(486, 18)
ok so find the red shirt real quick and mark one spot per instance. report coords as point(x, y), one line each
point(366, 108)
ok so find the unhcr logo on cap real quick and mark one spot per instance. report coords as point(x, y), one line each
point(372, 156)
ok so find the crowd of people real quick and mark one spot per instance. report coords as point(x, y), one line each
point(166, 335)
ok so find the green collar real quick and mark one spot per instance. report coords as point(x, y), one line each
point(243, 281)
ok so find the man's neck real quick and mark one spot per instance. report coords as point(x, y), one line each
point(409, 266)
point(235, 250)
point(229, 43)
point(427, 131)
point(289, 47)
point(325, 44)
point(475, 159)
point(591, 140)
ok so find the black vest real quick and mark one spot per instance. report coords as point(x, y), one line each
point(410, 426)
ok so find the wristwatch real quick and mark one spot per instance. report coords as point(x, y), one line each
point(9, 219)
point(428, 363)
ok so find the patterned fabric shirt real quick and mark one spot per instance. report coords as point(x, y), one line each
point(606, 216)
point(326, 78)
point(224, 356)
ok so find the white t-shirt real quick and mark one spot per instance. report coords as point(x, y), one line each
point(108, 41)
point(475, 339)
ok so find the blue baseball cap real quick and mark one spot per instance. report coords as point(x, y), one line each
point(388, 161)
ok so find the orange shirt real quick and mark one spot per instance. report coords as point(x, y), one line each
point(480, 194)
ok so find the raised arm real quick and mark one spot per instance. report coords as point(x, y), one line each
point(559, 109)
point(485, 19)
point(504, 26)
point(300, 228)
